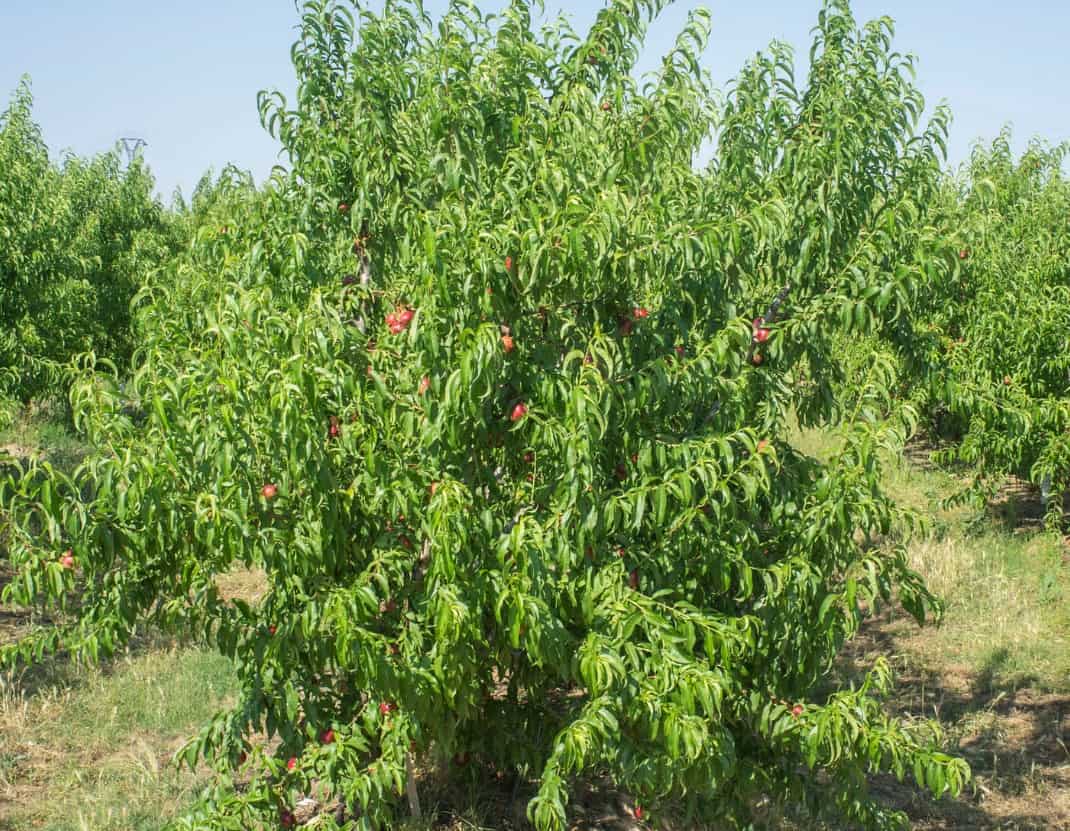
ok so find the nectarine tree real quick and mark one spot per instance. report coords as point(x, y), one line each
point(591, 547)
point(78, 241)
point(993, 356)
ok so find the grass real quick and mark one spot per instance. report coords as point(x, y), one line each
point(996, 671)
point(1005, 586)
point(89, 749)
point(44, 430)
point(1005, 618)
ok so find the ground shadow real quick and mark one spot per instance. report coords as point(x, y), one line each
point(1013, 736)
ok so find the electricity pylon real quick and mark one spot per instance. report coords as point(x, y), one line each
point(132, 145)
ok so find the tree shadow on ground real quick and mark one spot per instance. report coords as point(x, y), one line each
point(1018, 507)
point(1014, 737)
point(58, 670)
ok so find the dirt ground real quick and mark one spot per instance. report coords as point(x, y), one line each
point(1014, 738)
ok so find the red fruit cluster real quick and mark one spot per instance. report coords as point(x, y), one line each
point(606, 106)
point(343, 208)
point(519, 411)
point(335, 429)
point(386, 707)
point(269, 491)
point(964, 253)
point(508, 263)
point(507, 343)
point(761, 334)
point(425, 385)
point(797, 711)
point(399, 320)
point(639, 313)
point(633, 578)
point(327, 737)
point(291, 763)
point(287, 819)
point(67, 560)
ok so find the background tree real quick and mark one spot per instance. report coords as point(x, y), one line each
point(994, 368)
point(78, 241)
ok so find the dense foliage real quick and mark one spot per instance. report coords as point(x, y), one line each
point(995, 346)
point(76, 243)
point(493, 384)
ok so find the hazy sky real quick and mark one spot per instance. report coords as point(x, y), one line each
point(184, 76)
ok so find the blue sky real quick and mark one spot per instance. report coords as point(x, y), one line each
point(185, 75)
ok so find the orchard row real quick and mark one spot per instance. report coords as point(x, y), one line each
point(520, 481)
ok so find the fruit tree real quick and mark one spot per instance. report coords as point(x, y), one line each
point(77, 240)
point(994, 345)
point(491, 382)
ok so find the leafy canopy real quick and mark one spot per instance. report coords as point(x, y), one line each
point(492, 384)
point(76, 242)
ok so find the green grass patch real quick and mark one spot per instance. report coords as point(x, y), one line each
point(90, 748)
point(44, 430)
point(1005, 586)
point(1006, 619)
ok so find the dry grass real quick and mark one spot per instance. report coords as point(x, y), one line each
point(1006, 616)
point(1013, 736)
point(245, 584)
point(91, 748)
